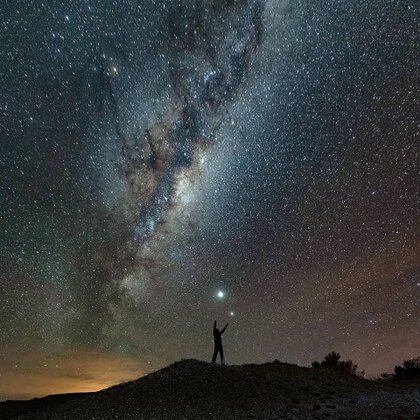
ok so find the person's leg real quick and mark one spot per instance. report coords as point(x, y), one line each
point(222, 357)
point(213, 360)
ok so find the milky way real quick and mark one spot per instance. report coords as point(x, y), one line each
point(208, 52)
point(164, 164)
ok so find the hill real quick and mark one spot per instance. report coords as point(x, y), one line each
point(196, 390)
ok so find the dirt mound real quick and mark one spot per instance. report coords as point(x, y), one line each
point(195, 389)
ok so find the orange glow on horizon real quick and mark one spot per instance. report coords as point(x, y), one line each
point(81, 370)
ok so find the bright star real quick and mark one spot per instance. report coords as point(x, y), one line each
point(112, 70)
point(220, 294)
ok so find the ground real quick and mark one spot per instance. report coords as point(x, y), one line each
point(192, 389)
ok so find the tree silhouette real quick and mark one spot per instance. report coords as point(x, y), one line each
point(332, 361)
point(410, 369)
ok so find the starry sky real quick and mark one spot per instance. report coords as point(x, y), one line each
point(165, 163)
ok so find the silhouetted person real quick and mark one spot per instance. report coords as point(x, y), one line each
point(218, 348)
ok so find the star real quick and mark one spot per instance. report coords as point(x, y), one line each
point(112, 70)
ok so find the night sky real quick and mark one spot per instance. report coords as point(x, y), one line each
point(167, 163)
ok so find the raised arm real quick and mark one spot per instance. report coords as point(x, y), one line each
point(221, 332)
point(214, 326)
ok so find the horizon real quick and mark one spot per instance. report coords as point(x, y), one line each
point(58, 385)
point(167, 164)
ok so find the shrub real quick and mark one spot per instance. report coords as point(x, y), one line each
point(332, 361)
point(410, 369)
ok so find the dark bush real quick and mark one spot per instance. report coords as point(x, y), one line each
point(332, 361)
point(410, 369)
